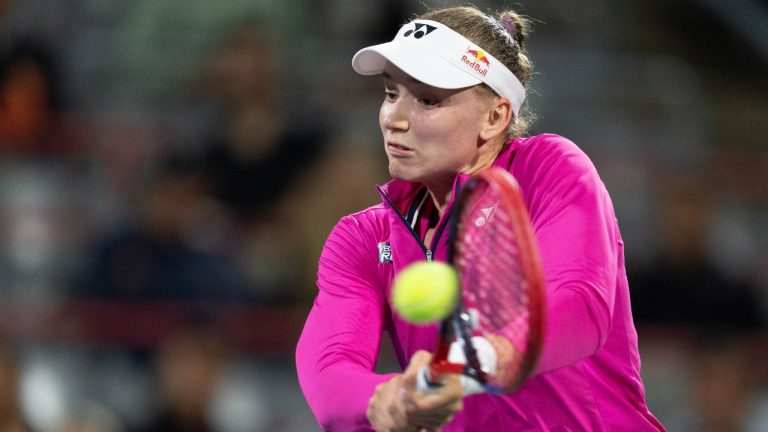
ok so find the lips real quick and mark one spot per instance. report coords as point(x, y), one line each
point(398, 150)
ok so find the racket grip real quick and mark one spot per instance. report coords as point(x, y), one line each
point(424, 381)
point(425, 384)
point(471, 385)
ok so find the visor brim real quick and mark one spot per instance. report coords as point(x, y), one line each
point(423, 65)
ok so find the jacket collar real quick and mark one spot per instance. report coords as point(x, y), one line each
point(402, 193)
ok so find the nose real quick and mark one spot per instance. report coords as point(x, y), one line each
point(394, 116)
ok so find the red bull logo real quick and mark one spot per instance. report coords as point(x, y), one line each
point(478, 61)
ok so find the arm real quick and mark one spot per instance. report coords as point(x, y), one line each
point(337, 351)
point(575, 227)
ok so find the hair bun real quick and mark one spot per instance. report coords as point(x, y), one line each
point(509, 26)
point(515, 25)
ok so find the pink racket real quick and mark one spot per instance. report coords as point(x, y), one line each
point(494, 336)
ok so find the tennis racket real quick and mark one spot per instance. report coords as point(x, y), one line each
point(493, 337)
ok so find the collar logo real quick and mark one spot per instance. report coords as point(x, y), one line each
point(385, 253)
point(420, 30)
point(476, 60)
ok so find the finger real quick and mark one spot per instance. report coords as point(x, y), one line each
point(419, 359)
point(435, 416)
point(449, 393)
point(386, 411)
point(397, 414)
point(434, 409)
point(375, 414)
point(434, 401)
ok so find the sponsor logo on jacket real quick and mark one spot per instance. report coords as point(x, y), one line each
point(385, 253)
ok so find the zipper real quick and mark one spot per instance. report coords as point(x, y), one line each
point(445, 220)
point(435, 239)
point(427, 252)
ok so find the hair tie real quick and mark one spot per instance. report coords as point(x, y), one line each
point(509, 26)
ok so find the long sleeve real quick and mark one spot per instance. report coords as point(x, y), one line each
point(337, 351)
point(576, 230)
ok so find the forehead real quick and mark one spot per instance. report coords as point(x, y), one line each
point(395, 75)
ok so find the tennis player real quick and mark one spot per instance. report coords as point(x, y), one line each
point(454, 86)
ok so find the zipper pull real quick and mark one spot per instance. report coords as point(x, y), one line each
point(429, 255)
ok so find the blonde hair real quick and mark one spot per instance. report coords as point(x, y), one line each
point(501, 34)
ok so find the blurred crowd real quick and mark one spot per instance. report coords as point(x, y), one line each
point(169, 171)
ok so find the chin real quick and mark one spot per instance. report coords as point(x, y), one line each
point(400, 173)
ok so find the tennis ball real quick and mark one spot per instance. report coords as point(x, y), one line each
point(425, 291)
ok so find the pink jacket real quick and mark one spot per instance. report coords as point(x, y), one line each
point(588, 378)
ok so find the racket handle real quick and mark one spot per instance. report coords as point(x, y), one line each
point(486, 355)
point(425, 384)
point(471, 385)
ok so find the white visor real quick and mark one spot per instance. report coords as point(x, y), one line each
point(438, 56)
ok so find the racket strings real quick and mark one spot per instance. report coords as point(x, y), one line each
point(492, 273)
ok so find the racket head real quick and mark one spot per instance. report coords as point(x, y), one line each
point(494, 251)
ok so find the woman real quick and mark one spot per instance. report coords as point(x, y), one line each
point(454, 84)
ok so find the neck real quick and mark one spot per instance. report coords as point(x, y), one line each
point(440, 190)
point(441, 196)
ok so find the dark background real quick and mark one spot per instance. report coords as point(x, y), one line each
point(169, 170)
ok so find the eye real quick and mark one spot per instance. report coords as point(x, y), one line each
point(428, 102)
point(390, 95)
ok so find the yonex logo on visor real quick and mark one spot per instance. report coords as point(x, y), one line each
point(445, 59)
point(420, 30)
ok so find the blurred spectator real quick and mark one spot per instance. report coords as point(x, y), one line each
point(258, 153)
point(204, 383)
point(728, 372)
point(189, 368)
point(157, 256)
point(265, 155)
point(94, 419)
point(42, 172)
point(261, 146)
point(12, 419)
point(718, 318)
point(683, 286)
point(31, 123)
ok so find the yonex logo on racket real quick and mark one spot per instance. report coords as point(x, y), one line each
point(420, 30)
point(487, 215)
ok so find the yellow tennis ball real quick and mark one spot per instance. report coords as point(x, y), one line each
point(425, 291)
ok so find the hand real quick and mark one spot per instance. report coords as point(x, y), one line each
point(398, 407)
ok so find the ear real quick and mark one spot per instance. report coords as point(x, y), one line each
point(496, 118)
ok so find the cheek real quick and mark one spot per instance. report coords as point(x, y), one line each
point(457, 131)
point(384, 113)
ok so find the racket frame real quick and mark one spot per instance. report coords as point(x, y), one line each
point(458, 325)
